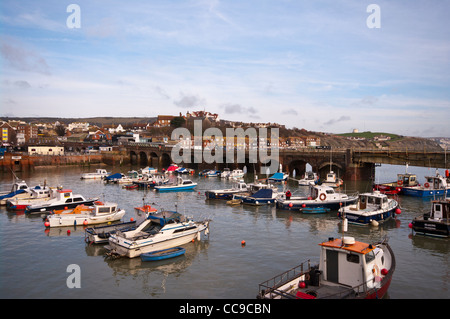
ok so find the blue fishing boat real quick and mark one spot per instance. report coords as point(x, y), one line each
point(434, 186)
point(264, 196)
point(180, 185)
point(163, 254)
point(370, 209)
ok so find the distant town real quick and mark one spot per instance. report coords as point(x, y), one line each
point(40, 135)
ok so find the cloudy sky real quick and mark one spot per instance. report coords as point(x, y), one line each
point(312, 64)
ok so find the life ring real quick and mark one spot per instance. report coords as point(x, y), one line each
point(376, 271)
point(400, 182)
point(322, 197)
point(426, 185)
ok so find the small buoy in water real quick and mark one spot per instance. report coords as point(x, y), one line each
point(47, 224)
point(85, 222)
point(131, 219)
point(410, 225)
point(398, 211)
point(68, 232)
point(243, 243)
point(374, 223)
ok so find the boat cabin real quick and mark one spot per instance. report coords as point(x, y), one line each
point(66, 196)
point(435, 182)
point(376, 199)
point(406, 179)
point(440, 211)
point(351, 263)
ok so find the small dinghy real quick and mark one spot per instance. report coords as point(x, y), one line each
point(163, 254)
point(314, 210)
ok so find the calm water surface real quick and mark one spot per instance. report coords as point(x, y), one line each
point(33, 261)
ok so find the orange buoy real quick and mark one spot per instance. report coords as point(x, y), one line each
point(290, 204)
point(47, 224)
point(243, 243)
point(68, 232)
point(131, 219)
point(85, 222)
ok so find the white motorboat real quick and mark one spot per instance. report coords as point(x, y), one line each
point(228, 193)
point(236, 174)
point(370, 209)
point(310, 178)
point(64, 199)
point(19, 189)
point(159, 231)
point(320, 196)
point(98, 174)
point(331, 180)
point(225, 173)
point(99, 213)
point(38, 195)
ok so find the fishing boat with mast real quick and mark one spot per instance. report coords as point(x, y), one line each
point(403, 180)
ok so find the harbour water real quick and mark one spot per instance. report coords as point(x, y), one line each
point(34, 261)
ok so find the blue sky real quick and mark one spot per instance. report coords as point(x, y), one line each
point(312, 64)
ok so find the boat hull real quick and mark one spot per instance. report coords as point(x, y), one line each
point(431, 228)
point(174, 188)
point(409, 191)
point(64, 220)
point(299, 204)
point(366, 219)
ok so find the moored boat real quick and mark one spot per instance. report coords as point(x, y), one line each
point(309, 178)
point(436, 222)
point(403, 180)
point(331, 180)
point(236, 174)
point(85, 215)
point(19, 189)
point(348, 269)
point(163, 254)
point(371, 208)
point(98, 174)
point(320, 196)
point(38, 194)
point(433, 186)
point(101, 234)
point(228, 193)
point(159, 231)
point(64, 199)
point(278, 177)
point(180, 185)
point(264, 196)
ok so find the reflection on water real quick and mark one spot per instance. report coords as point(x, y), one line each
point(33, 260)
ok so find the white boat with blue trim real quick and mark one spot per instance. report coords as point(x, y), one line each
point(163, 230)
point(370, 209)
